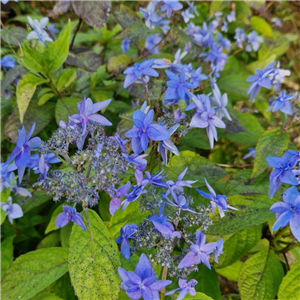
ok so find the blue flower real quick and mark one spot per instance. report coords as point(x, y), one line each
point(6, 1)
point(205, 118)
point(15, 189)
point(251, 153)
point(121, 142)
point(12, 210)
point(196, 77)
point(143, 282)
point(98, 150)
point(52, 29)
point(69, 214)
point(260, 79)
point(199, 252)
point(8, 62)
point(218, 201)
point(6, 171)
point(115, 203)
point(87, 112)
point(34, 160)
point(220, 103)
point(282, 172)
point(161, 224)
point(139, 69)
point(240, 37)
point(39, 32)
point(187, 15)
point(150, 16)
point(223, 42)
point(139, 163)
point(125, 233)
point(277, 22)
point(143, 130)
point(151, 41)
point(288, 211)
point(231, 16)
point(136, 192)
point(169, 6)
point(21, 153)
point(254, 41)
point(184, 288)
point(125, 45)
point(295, 156)
point(282, 103)
point(178, 88)
point(155, 179)
point(168, 145)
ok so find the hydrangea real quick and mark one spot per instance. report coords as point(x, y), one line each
point(155, 179)
point(282, 103)
point(151, 18)
point(288, 211)
point(143, 282)
point(69, 214)
point(178, 185)
point(143, 130)
point(170, 6)
point(115, 203)
point(126, 233)
point(184, 288)
point(12, 210)
point(39, 32)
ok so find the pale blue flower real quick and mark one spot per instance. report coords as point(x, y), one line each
point(12, 210)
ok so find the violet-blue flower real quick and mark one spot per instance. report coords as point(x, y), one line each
point(143, 282)
point(6, 170)
point(125, 45)
point(199, 252)
point(282, 172)
point(116, 201)
point(150, 16)
point(169, 6)
point(288, 211)
point(277, 22)
point(218, 201)
point(187, 15)
point(49, 159)
point(12, 210)
point(220, 102)
point(143, 129)
point(69, 214)
point(52, 29)
point(240, 37)
point(253, 41)
point(39, 32)
point(24, 146)
point(125, 233)
point(205, 118)
point(139, 69)
point(161, 224)
point(155, 179)
point(231, 16)
point(184, 288)
point(282, 103)
point(196, 77)
point(260, 79)
point(251, 153)
point(151, 41)
point(8, 62)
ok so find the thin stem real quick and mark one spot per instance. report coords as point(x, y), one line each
point(163, 277)
point(235, 167)
point(146, 91)
point(280, 233)
point(286, 261)
point(88, 171)
point(75, 33)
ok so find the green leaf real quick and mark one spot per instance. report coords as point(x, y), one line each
point(65, 233)
point(208, 282)
point(277, 45)
point(67, 77)
point(66, 107)
point(63, 288)
point(11, 75)
point(125, 16)
point(154, 89)
point(51, 240)
point(138, 30)
point(130, 215)
point(270, 143)
point(195, 138)
point(198, 296)
point(260, 276)
point(238, 244)
point(95, 13)
point(25, 90)
point(46, 294)
point(290, 286)
point(231, 272)
point(57, 52)
point(117, 64)
point(261, 26)
point(33, 272)
point(7, 253)
point(252, 210)
point(45, 98)
point(51, 225)
point(198, 168)
point(13, 36)
point(93, 263)
point(32, 59)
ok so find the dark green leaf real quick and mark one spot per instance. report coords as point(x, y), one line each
point(138, 30)
point(11, 75)
point(66, 107)
point(7, 253)
point(125, 16)
point(117, 64)
point(14, 36)
point(154, 89)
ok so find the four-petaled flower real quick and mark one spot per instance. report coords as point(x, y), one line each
point(143, 282)
point(282, 103)
point(151, 18)
point(39, 32)
point(126, 233)
point(216, 200)
point(184, 288)
point(69, 214)
point(169, 6)
point(220, 103)
point(288, 211)
point(282, 172)
point(143, 130)
point(21, 153)
point(12, 210)
point(155, 179)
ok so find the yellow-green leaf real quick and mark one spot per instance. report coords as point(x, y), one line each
point(261, 25)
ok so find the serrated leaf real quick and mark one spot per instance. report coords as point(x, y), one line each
point(270, 143)
point(260, 276)
point(130, 215)
point(93, 264)
point(33, 272)
point(290, 285)
point(66, 107)
point(261, 25)
point(238, 244)
point(252, 210)
point(66, 79)
point(117, 64)
point(95, 13)
point(7, 253)
point(25, 90)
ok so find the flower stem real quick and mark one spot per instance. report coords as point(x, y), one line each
point(163, 277)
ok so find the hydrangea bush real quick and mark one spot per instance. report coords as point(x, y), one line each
point(150, 150)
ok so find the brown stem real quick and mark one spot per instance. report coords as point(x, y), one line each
point(163, 277)
point(75, 33)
